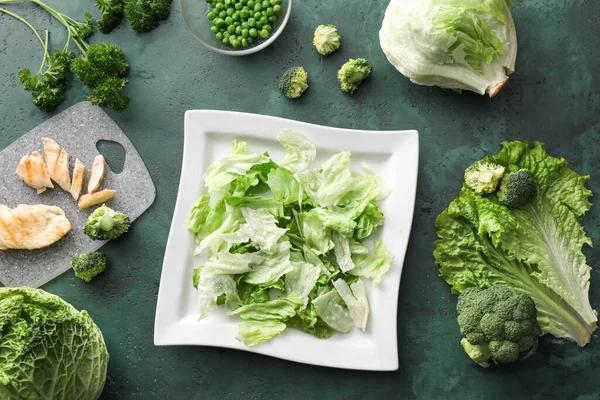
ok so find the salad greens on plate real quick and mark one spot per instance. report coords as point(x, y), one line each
point(287, 242)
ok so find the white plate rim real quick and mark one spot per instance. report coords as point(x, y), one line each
point(171, 329)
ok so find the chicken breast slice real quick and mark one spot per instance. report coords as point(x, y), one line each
point(31, 227)
point(77, 183)
point(98, 171)
point(62, 174)
point(51, 154)
point(88, 200)
point(32, 170)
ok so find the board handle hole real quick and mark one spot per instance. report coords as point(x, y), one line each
point(114, 154)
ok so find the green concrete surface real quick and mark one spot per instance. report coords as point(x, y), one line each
point(554, 96)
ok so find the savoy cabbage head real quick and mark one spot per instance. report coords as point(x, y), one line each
point(48, 349)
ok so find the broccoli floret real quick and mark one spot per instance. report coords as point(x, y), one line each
point(484, 176)
point(353, 73)
point(497, 324)
point(111, 12)
point(145, 15)
point(106, 224)
point(294, 82)
point(88, 265)
point(517, 188)
point(327, 39)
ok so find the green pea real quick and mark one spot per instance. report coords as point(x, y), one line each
point(272, 18)
point(264, 20)
point(214, 29)
point(250, 39)
point(243, 1)
point(236, 23)
point(219, 7)
point(276, 9)
point(244, 14)
point(253, 32)
point(211, 15)
point(238, 6)
point(227, 2)
point(244, 43)
point(251, 22)
point(229, 20)
point(245, 33)
point(272, 2)
point(219, 36)
point(234, 43)
point(257, 15)
point(251, 4)
point(225, 40)
point(231, 29)
point(265, 4)
point(238, 30)
point(230, 11)
point(263, 33)
point(270, 11)
point(257, 7)
point(267, 27)
point(236, 16)
point(259, 25)
point(222, 14)
point(278, 1)
point(218, 22)
point(213, 4)
point(226, 34)
point(245, 25)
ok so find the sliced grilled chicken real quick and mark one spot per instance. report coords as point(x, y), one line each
point(61, 174)
point(77, 183)
point(32, 170)
point(98, 170)
point(51, 154)
point(88, 200)
point(31, 226)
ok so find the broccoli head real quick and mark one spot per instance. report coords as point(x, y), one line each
point(106, 224)
point(327, 39)
point(517, 189)
point(88, 265)
point(294, 82)
point(353, 73)
point(497, 324)
point(484, 176)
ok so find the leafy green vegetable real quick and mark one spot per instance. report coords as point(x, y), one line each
point(111, 13)
point(455, 44)
point(498, 324)
point(48, 349)
point(145, 15)
point(535, 250)
point(294, 259)
point(88, 265)
point(106, 224)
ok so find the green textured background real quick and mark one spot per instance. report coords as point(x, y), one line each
point(554, 96)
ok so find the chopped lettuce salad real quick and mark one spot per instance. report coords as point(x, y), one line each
point(286, 242)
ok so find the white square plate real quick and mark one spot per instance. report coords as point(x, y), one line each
point(393, 155)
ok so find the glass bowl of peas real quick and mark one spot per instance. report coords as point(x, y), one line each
point(236, 27)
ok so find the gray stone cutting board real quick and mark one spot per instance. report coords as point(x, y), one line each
point(77, 129)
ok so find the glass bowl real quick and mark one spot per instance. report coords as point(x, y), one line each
point(194, 13)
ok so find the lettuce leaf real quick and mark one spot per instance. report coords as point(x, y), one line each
point(299, 152)
point(535, 249)
point(252, 333)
